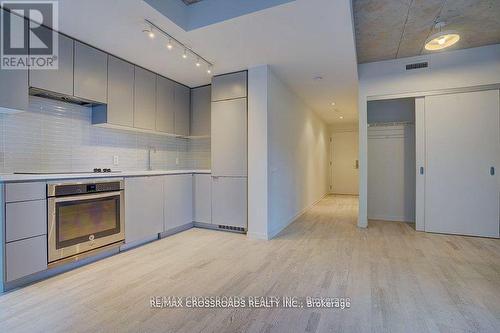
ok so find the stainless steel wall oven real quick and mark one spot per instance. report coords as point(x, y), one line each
point(84, 217)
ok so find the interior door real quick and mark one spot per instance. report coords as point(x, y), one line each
point(344, 163)
point(462, 146)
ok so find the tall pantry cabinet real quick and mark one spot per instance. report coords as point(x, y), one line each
point(229, 150)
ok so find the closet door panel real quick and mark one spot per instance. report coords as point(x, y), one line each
point(462, 144)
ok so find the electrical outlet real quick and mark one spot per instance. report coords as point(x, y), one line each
point(176, 161)
point(115, 160)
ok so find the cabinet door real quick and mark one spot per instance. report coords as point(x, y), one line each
point(91, 68)
point(229, 86)
point(200, 111)
point(178, 200)
point(143, 207)
point(120, 109)
point(59, 80)
point(145, 99)
point(14, 82)
point(25, 257)
point(202, 198)
point(25, 219)
point(229, 138)
point(229, 201)
point(182, 101)
point(164, 105)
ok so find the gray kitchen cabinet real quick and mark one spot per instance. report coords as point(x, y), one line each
point(229, 138)
point(25, 219)
point(25, 191)
point(164, 105)
point(144, 99)
point(59, 80)
point(229, 201)
point(120, 108)
point(90, 73)
point(25, 257)
point(200, 111)
point(182, 101)
point(13, 82)
point(229, 86)
point(202, 198)
point(178, 200)
point(143, 207)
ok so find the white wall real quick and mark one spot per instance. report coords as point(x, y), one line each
point(455, 69)
point(298, 147)
point(258, 152)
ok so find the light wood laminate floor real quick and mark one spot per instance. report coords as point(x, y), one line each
point(399, 280)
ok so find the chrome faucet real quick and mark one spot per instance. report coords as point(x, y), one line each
point(150, 149)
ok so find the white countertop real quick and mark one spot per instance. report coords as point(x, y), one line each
point(10, 177)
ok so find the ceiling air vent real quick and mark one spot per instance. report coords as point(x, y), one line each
point(417, 65)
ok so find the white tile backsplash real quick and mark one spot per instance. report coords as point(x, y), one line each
point(53, 136)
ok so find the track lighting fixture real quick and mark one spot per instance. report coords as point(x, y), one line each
point(151, 29)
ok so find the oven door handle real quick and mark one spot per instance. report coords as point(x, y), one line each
point(87, 196)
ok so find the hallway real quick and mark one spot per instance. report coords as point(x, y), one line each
point(398, 280)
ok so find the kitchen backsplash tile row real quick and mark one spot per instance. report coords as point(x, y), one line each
point(54, 136)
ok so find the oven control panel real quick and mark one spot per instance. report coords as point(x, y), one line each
point(79, 188)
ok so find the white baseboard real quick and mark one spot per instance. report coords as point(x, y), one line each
point(391, 218)
point(273, 233)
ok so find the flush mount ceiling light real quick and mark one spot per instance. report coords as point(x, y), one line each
point(442, 39)
point(150, 28)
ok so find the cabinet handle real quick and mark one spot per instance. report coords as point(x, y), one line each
point(421, 170)
point(492, 171)
point(356, 165)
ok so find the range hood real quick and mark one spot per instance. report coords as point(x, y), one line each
point(61, 97)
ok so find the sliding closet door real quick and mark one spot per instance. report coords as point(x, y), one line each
point(462, 144)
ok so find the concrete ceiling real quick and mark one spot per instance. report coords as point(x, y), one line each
point(390, 29)
point(301, 40)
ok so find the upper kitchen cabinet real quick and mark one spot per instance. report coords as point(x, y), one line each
point(144, 99)
point(120, 108)
point(200, 111)
point(90, 73)
point(229, 138)
point(229, 86)
point(14, 82)
point(164, 105)
point(181, 103)
point(58, 80)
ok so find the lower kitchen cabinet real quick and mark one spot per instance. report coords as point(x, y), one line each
point(178, 204)
point(202, 198)
point(143, 207)
point(25, 257)
point(229, 201)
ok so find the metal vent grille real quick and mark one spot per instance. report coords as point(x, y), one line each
point(417, 65)
point(231, 228)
